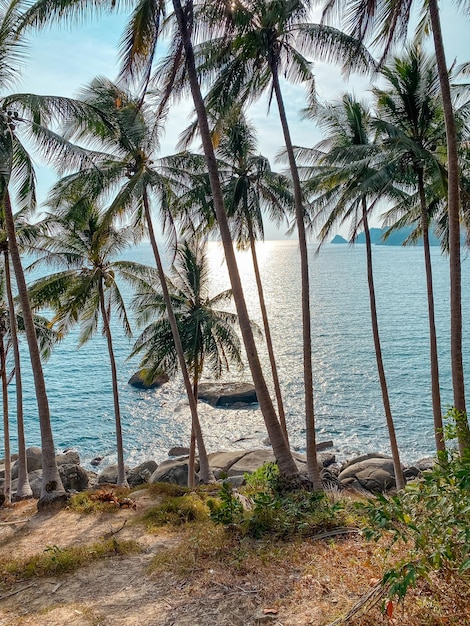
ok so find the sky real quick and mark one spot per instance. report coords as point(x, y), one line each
point(62, 59)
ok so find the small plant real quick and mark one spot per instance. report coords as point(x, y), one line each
point(228, 509)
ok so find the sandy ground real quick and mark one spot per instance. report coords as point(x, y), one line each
point(120, 590)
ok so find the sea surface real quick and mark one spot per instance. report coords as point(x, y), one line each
point(348, 403)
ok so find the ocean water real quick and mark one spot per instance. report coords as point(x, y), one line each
point(347, 394)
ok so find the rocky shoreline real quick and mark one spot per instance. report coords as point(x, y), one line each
point(370, 473)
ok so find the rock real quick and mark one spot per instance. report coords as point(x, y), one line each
point(375, 474)
point(226, 394)
point(141, 474)
point(250, 462)
point(33, 460)
point(138, 380)
point(234, 481)
point(109, 475)
point(221, 462)
point(35, 481)
point(364, 457)
point(96, 461)
point(173, 471)
point(71, 457)
point(178, 451)
point(74, 477)
point(425, 464)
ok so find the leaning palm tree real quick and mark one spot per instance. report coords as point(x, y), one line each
point(83, 241)
point(207, 333)
point(346, 183)
point(388, 22)
point(252, 44)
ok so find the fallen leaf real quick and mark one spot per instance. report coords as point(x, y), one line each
point(270, 611)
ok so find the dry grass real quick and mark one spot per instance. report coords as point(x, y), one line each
point(200, 574)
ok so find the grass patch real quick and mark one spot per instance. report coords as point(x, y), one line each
point(56, 560)
point(176, 511)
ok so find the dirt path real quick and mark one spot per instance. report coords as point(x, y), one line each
point(119, 590)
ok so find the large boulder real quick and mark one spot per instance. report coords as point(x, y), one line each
point(141, 474)
point(221, 462)
point(74, 477)
point(173, 471)
point(139, 381)
point(109, 475)
point(251, 461)
point(371, 473)
point(33, 460)
point(70, 457)
point(226, 394)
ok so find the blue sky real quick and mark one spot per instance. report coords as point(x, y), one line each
point(62, 59)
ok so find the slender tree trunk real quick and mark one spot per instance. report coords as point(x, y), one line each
point(192, 442)
point(204, 469)
point(6, 422)
point(121, 476)
point(23, 489)
point(458, 383)
point(312, 461)
point(267, 334)
point(435, 390)
point(52, 489)
point(281, 450)
point(399, 478)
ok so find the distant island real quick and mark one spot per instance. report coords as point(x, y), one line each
point(397, 238)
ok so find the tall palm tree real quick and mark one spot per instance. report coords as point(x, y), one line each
point(84, 243)
point(389, 22)
point(409, 114)
point(252, 45)
point(347, 183)
point(207, 333)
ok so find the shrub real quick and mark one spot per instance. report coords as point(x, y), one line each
point(432, 515)
point(176, 511)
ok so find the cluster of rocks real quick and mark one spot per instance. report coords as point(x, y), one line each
point(372, 473)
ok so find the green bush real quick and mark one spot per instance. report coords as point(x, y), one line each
point(432, 515)
point(271, 509)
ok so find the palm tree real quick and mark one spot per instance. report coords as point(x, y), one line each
point(207, 333)
point(249, 187)
point(83, 241)
point(15, 163)
point(410, 116)
point(347, 183)
point(389, 21)
point(131, 131)
point(252, 45)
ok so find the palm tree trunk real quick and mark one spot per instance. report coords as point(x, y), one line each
point(6, 423)
point(121, 475)
point(52, 489)
point(204, 469)
point(458, 382)
point(267, 334)
point(281, 450)
point(435, 390)
point(23, 489)
point(312, 461)
point(192, 442)
point(399, 478)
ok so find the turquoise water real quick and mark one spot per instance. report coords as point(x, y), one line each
point(347, 394)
